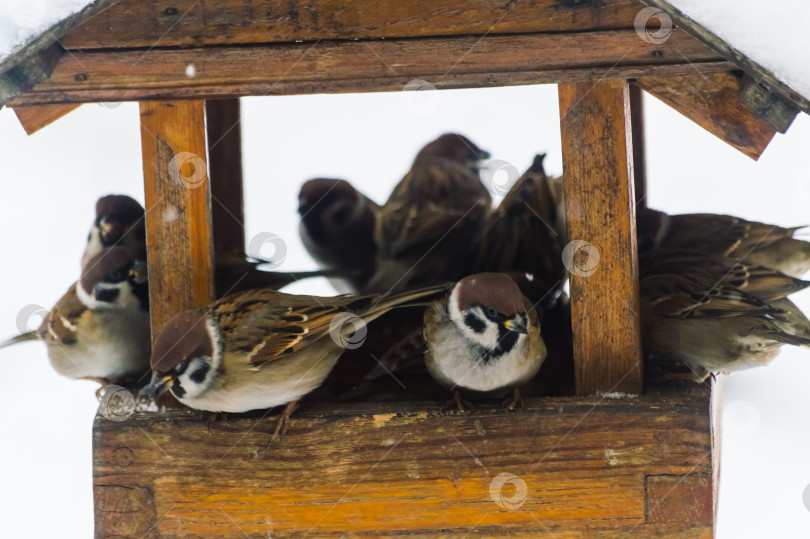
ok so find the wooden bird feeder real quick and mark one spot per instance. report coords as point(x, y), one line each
point(588, 464)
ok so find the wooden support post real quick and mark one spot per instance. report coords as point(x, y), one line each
point(602, 256)
point(225, 170)
point(178, 208)
point(639, 148)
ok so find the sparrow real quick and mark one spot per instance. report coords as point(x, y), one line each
point(714, 315)
point(120, 221)
point(261, 348)
point(519, 236)
point(483, 337)
point(337, 230)
point(759, 243)
point(424, 230)
point(99, 330)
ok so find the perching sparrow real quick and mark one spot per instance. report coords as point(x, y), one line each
point(261, 348)
point(715, 315)
point(519, 235)
point(337, 230)
point(757, 243)
point(483, 337)
point(99, 330)
point(425, 230)
point(120, 221)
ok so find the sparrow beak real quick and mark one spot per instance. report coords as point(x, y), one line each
point(483, 154)
point(518, 326)
point(109, 228)
point(158, 385)
point(138, 272)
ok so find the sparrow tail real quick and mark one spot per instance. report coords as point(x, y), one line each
point(415, 297)
point(22, 337)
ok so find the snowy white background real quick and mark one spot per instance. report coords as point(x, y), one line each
point(52, 179)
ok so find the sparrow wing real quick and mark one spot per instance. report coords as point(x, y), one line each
point(61, 325)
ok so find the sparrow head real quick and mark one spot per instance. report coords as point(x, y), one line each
point(489, 310)
point(184, 357)
point(116, 215)
point(331, 202)
point(114, 279)
point(454, 147)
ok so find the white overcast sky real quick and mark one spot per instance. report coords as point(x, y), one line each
point(52, 179)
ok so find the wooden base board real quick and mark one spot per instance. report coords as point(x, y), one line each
point(574, 466)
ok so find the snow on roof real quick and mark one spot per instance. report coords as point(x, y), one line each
point(24, 20)
point(773, 34)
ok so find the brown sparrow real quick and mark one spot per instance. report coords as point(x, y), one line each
point(715, 315)
point(261, 348)
point(757, 243)
point(519, 235)
point(424, 231)
point(120, 221)
point(99, 330)
point(337, 230)
point(484, 337)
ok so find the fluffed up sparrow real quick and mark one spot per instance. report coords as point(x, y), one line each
point(716, 315)
point(757, 243)
point(337, 230)
point(261, 348)
point(99, 330)
point(424, 231)
point(519, 235)
point(483, 338)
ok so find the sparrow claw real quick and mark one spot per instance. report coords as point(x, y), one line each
point(213, 417)
point(460, 402)
point(283, 423)
point(515, 401)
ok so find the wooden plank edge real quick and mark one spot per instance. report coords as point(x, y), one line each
point(35, 118)
point(356, 85)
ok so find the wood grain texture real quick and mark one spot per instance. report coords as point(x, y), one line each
point(178, 208)
point(602, 258)
point(711, 101)
point(591, 467)
point(35, 118)
point(639, 145)
point(758, 72)
point(332, 67)
point(775, 110)
point(224, 129)
point(29, 72)
point(171, 23)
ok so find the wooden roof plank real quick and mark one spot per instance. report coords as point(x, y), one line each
point(328, 67)
point(711, 101)
point(758, 72)
point(164, 23)
point(35, 118)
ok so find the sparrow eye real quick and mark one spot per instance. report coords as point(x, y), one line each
point(491, 312)
point(114, 276)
